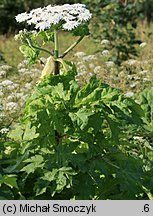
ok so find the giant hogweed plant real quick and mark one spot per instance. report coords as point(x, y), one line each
point(72, 142)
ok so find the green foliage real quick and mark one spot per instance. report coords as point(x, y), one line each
point(76, 143)
point(148, 10)
point(116, 21)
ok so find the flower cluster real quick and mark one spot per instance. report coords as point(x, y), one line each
point(69, 16)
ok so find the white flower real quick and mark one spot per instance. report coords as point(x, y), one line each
point(6, 83)
point(91, 65)
point(22, 17)
point(23, 70)
point(42, 25)
point(97, 69)
point(10, 97)
point(109, 63)
point(84, 16)
point(146, 79)
point(5, 67)
point(12, 106)
point(2, 73)
point(23, 64)
point(19, 95)
point(4, 130)
point(89, 58)
point(131, 62)
point(105, 52)
point(24, 98)
point(70, 16)
point(129, 94)
point(79, 54)
point(11, 87)
point(70, 25)
point(28, 85)
point(105, 42)
point(133, 85)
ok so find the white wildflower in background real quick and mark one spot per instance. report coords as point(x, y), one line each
point(129, 94)
point(91, 65)
point(109, 63)
point(7, 83)
point(11, 87)
point(69, 16)
point(105, 42)
point(24, 98)
point(23, 70)
point(105, 52)
point(23, 64)
point(146, 79)
point(89, 58)
point(12, 106)
point(4, 130)
point(131, 62)
point(28, 85)
point(19, 95)
point(79, 54)
point(3, 73)
point(97, 69)
point(5, 67)
point(11, 97)
point(133, 85)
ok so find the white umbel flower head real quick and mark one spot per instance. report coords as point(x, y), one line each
point(69, 16)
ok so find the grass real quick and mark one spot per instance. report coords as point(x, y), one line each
point(10, 48)
point(129, 78)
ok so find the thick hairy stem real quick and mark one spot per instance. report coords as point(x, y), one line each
point(71, 47)
point(56, 51)
point(56, 48)
point(39, 48)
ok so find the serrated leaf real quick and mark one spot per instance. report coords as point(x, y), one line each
point(9, 180)
point(35, 162)
point(50, 175)
point(41, 187)
point(16, 134)
point(30, 132)
point(81, 117)
point(60, 181)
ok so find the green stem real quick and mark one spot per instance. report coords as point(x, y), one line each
point(56, 45)
point(71, 47)
point(40, 48)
